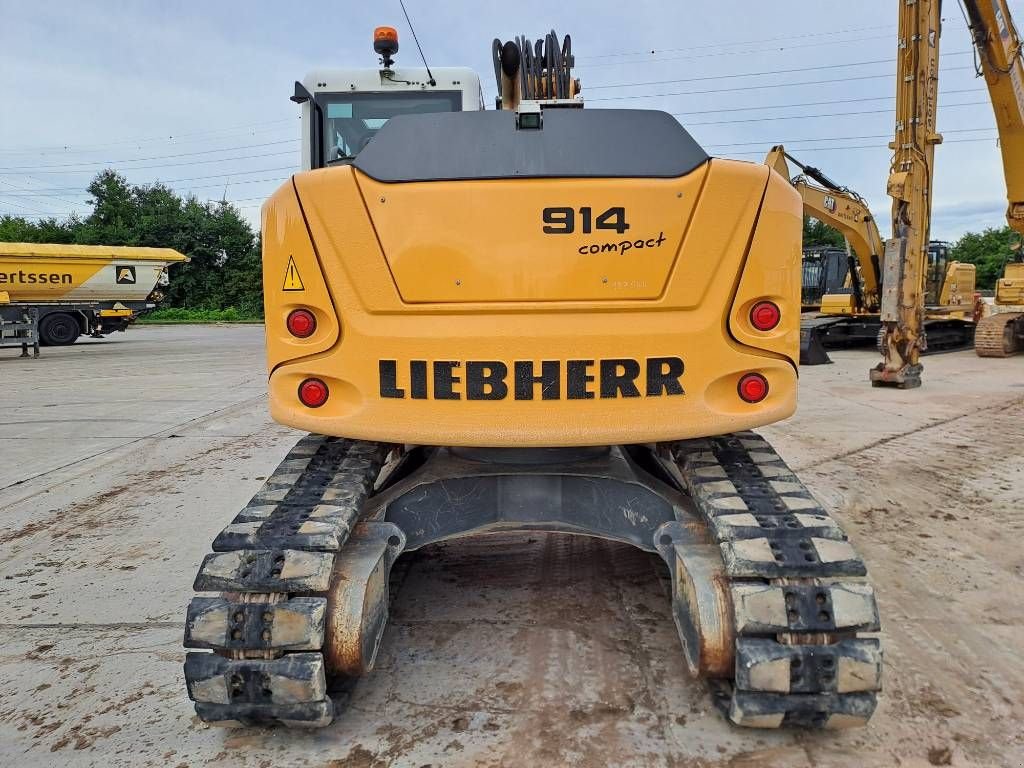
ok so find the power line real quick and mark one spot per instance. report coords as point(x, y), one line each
point(763, 73)
point(760, 87)
point(41, 214)
point(143, 159)
point(27, 208)
point(55, 148)
point(741, 42)
point(810, 117)
point(72, 166)
point(261, 198)
point(770, 142)
point(816, 103)
point(654, 56)
point(864, 146)
point(290, 169)
point(655, 59)
point(279, 179)
point(168, 165)
point(23, 192)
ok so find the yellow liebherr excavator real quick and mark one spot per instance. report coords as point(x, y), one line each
point(910, 181)
point(1001, 60)
point(541, 318)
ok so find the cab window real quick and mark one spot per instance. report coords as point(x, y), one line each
point(350, 120)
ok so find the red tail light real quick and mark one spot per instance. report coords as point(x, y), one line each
point(301, 323)
point(765, 315)
point(753, 387)
point(313, 393)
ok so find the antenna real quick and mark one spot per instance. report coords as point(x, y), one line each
point(417, 41)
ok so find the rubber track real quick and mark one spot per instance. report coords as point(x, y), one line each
point(798, 596)
point(272, 565)
point(799, 599)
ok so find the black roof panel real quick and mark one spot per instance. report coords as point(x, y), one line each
point(574, 143)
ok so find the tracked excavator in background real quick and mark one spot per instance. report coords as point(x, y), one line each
point(905, 261)
point(542, 318)
point(851, 312)
point(846, 211)
point(1001, 333)
point(848, 314)
point(1001, 61)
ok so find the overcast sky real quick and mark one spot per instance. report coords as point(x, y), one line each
point(167, 90)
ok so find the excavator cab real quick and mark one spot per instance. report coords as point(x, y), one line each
point(825, 272)
point(343, 109)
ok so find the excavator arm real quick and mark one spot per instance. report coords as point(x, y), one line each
point(998, 48)
point(843, 210)
point(910, 187)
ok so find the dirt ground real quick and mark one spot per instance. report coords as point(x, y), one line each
point(121, 459)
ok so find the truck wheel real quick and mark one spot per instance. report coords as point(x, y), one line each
point(58, 330)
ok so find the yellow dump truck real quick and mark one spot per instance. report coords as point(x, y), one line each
point(80, 289)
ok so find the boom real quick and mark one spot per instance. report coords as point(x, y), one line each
point(998, 46)
point(910, 186)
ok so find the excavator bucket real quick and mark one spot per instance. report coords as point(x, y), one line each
point(812, 351)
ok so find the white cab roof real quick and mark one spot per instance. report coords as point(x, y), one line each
point(401, 79)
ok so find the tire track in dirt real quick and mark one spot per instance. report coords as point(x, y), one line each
point(936, 512)
point(1010, 404)
point(155, 435)
point(94, 511)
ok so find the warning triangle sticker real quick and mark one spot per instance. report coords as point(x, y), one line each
point(292, 281)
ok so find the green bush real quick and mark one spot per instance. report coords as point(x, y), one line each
point(989, 250)
point(183, 315)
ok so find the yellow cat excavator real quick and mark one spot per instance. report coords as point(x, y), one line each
point(846, 211)
point(540, 317)
point(850, 311)
point(1001, 333)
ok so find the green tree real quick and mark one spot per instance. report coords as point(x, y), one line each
point(989, 251)
point(224, 268)
point(817, 233)
point(14, 229)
